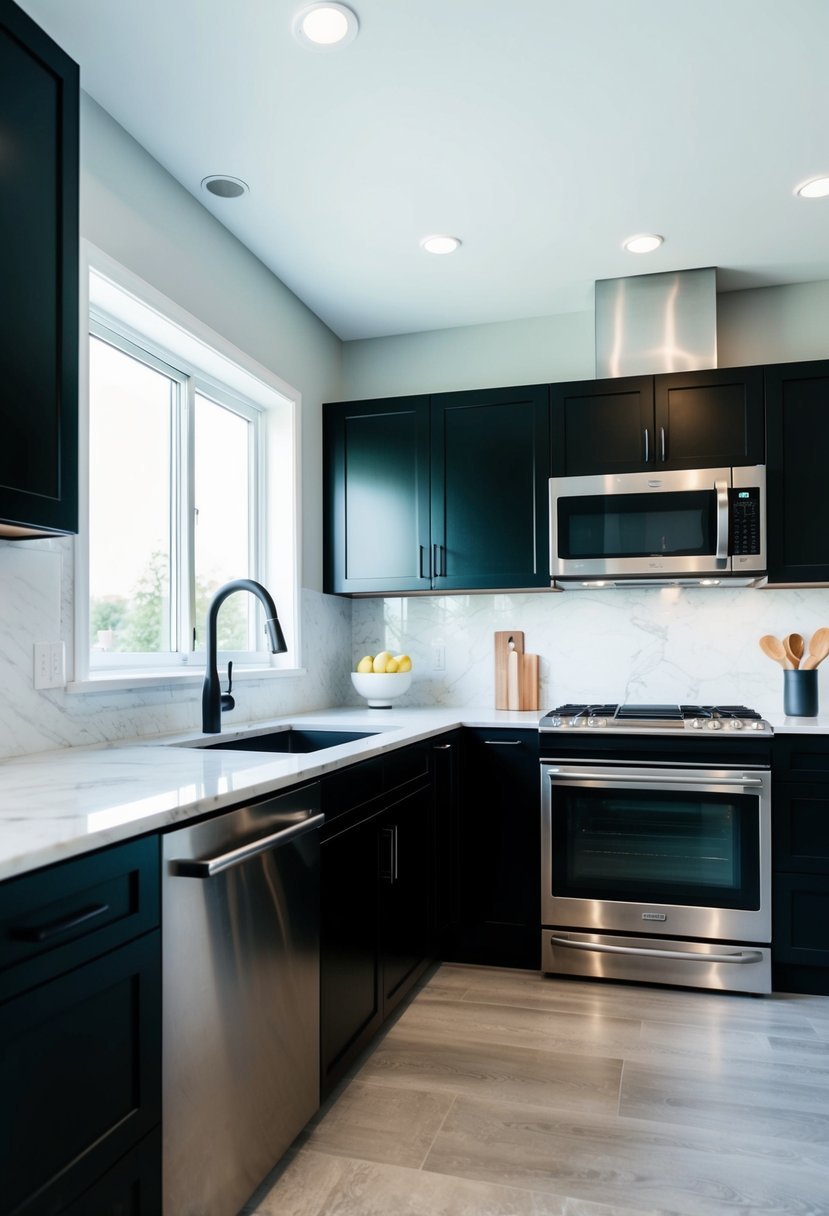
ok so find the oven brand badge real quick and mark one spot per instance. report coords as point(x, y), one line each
point(654, 916)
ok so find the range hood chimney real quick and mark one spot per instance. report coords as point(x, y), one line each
point(653, 323)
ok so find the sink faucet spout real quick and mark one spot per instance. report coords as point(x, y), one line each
point(211, 698)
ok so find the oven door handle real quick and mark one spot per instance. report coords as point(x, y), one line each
point(741, 956)
point(667, 779)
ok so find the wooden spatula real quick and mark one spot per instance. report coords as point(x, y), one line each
point(775, 649)
point(818, 649)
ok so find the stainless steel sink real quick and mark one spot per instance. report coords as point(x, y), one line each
point(290, 740)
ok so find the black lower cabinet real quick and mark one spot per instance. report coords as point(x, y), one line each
point(80, 1036)
point(375, 900)
point(131, 1188)
point(498, 912)
point(800, 883)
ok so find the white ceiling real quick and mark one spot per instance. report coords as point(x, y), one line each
point(541, 132)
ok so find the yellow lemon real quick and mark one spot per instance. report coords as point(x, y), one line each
point(365, 664)
point(391, 667)
point(404, 663)
point(380, 661)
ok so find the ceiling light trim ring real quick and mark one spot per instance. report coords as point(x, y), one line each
point(814, 187)
point(440, 243)
point(234, 187)
point(643, 242)
point(337, 34)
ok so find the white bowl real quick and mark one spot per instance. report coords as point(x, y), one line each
point(380, 688)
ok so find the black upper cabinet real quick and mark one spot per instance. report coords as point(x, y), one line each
point(377, 496)
point(602, 426)
point(490, 469)
point(686, 420)
point(39, 91)
point(447, 493)
point(797, 414)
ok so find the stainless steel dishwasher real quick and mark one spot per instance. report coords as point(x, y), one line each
point(240, 904)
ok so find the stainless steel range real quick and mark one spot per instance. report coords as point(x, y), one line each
point(655, 836)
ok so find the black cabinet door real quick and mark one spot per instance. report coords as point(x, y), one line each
point(404, 894)
point(499, 867)
point(131, 1188)
point(80, 1074)
point(797, 423)
point(800, 921)
point(602, 426)
point(376, 490)
point(39, 281)
point(709, 419)
point(351, 1005)
point(800, 828)
point(490, 470)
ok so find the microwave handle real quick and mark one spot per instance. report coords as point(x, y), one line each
point(721, 555)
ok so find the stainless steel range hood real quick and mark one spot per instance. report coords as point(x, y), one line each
point(656, 323)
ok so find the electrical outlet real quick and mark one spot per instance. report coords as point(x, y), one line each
point(49, 665)
point(438, 657)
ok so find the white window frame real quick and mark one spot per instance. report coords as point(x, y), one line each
point(203, 363)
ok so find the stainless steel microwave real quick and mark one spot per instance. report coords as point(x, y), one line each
point(688, 527)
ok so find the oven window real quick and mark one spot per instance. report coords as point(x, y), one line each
point(676, 524)
point(656, 846)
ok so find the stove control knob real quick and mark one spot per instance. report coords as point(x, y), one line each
point(592, 722)
point(601, 722)
point(757, 726)
point(575, 721)
point(714, 724)
point(696, 723)
point(736, 724)
point(555, 721)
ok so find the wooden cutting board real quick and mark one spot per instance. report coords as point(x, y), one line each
point(529, 681)
point(502, 662)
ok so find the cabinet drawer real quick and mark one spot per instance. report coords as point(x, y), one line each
point(57, 918)
point(801, 757)
point(405, 765)
point(351, 787)
point(80, 1076)
point(800, 827)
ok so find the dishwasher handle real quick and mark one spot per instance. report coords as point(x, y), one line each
point(208, 866)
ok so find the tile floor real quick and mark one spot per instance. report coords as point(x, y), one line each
point(507, 1093)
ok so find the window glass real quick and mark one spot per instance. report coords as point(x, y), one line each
point(130, 493)
point(222, 545)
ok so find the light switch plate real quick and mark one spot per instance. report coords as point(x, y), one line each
point(49, 665)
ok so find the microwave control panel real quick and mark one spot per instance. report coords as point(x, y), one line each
point(744, 517)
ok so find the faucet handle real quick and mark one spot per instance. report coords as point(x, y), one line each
point(226, 701)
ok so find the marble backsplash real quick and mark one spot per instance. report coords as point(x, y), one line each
point(36, 580)
point(694, 646)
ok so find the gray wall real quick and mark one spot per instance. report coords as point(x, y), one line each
point(132, 209)
point(764, 325)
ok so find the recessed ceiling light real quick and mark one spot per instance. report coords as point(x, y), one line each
point(440, 244)
point(818, 187)
point(646, 242)
point(223, 186)
point(322, 27)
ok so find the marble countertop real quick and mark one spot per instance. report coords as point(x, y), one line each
point(59, 804)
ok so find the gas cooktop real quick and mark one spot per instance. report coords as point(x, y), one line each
point(655, 717)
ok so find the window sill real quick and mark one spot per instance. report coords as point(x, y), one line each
point(126, 681)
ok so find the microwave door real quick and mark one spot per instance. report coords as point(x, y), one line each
point(639, 525)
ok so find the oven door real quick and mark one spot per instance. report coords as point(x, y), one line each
point(638, 524)
point(673, 851)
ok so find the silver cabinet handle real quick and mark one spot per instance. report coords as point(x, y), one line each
point(662, 442)
point(503, 742)
point(421, 549)
point(647, 446)
point(631, 779)
point(742, 956)
point(208, 866)
point(721, 554)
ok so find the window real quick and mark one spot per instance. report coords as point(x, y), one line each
point(184, 445)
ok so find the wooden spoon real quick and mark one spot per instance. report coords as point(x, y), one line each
point(793, 646)
point(818, 649)
point(774, 648)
